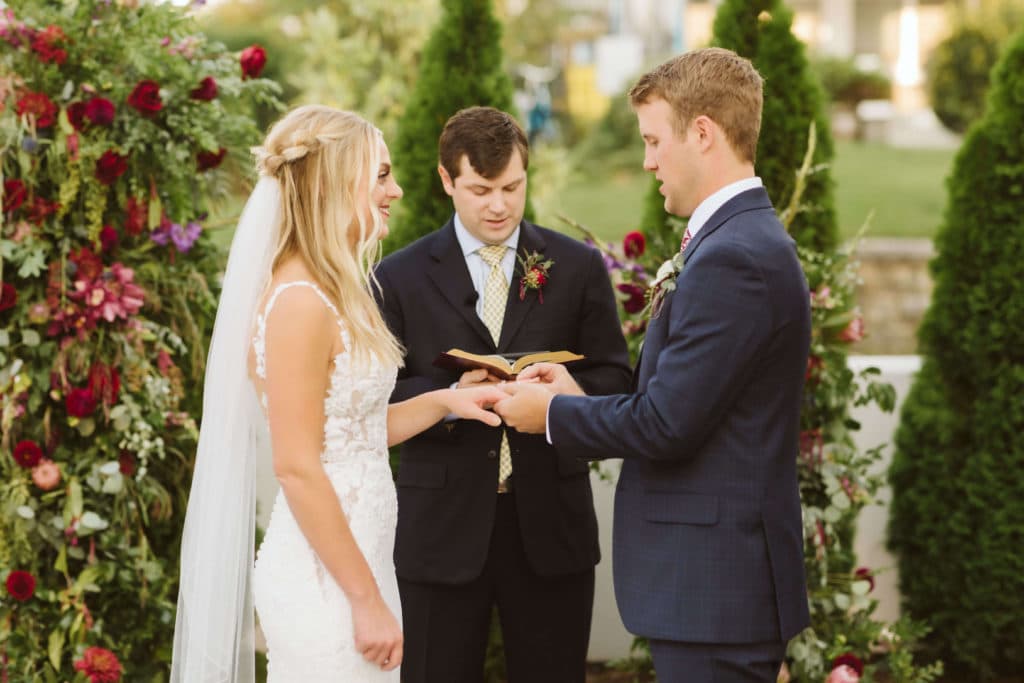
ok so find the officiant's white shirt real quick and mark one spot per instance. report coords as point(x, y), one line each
point(478, 268)
point(705, 210)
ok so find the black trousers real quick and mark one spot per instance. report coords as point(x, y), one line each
point(545, 622)
point(676, 662)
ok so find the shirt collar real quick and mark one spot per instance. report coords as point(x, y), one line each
point(470, 244)
point(714, 202)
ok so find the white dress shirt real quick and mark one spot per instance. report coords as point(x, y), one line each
point(478, 268)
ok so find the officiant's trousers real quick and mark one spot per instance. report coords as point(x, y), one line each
point(545, 622)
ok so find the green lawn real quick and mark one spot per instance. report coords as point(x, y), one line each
point(904, 187)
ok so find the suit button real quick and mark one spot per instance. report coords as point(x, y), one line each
point(492, 454)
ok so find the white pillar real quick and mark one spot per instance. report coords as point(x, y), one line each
point(908, 77)
point(836, 27)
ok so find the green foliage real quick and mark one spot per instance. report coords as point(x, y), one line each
point(614, 143)
point(958, 505)
point(958, 75)
point(761, 31)
point(106, 308)
point(845, 83)
point(461, 67)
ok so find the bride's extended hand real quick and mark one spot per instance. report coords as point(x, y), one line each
point(474, 403)
point(378, 635)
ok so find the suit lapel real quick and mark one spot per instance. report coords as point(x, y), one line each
point(750, 200)
point(450, 274)
point(516, 309)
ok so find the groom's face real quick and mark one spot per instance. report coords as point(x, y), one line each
point(490, 208)
point(675, 160)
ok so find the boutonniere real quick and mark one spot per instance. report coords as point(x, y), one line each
point(535, 274)
point(664, 283)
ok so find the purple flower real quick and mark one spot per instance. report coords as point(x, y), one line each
point(183, 237)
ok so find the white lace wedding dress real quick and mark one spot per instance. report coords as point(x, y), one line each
point(304, 614)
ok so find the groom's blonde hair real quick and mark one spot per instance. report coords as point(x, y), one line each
point(326, 162)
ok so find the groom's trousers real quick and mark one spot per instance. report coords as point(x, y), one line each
point(677, 662)
point(545, 622)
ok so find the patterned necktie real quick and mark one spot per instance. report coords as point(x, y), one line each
point(495, 298)
point(685, 241)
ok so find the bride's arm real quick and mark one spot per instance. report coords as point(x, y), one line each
point(298, 355)
point(412, 416)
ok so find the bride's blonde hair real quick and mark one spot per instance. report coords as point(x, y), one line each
point(326, 162)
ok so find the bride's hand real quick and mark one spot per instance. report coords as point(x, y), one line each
point(474, 403)
point(378, 635)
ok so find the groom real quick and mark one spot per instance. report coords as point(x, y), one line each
point(487, 517)
point(707, 546)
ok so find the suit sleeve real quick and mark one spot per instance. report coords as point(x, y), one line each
point(606, 367)
point(720, 318)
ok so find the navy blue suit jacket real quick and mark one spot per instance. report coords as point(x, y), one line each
point(708, 539)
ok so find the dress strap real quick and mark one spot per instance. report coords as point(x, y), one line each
point(260, 339)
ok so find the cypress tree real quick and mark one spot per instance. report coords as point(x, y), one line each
point(461, 67)
point(760, 30)
point(957, 515)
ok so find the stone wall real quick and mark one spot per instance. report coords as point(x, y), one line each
point(894, 294)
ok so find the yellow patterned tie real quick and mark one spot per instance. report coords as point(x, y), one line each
point(495, 298)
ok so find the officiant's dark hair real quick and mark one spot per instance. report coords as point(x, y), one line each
point(486, 136)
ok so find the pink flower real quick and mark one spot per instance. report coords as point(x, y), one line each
point(634, 244)
point(99, 665)
point(46, 475)
point(854, 331)
point(843, 674)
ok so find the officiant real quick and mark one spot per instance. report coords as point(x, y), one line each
point(489, 517)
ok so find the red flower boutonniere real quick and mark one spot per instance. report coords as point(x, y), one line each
point(535, 274)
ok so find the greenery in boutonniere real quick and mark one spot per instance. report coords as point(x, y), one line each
point(534, 268)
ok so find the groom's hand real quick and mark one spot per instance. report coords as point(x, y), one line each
point(554, 376)
point(526, 408)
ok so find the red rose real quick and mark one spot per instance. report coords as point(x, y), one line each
point(44, 44)
point(14, 194)
point(100, 111)
point(104, 383)
point(851, 660)
point(27, 454)
point(38, 105)
point(21, 585)
point(108, 238)
point(634, 244)
point(636, 301)
point(126, 463)
point(252, 59)
point(80, 402)
point(207, 160)
point(539, 276)
point(137, 216)
point(40, 209)
point(206, 91)
point(76, 114)
point(110, 167)
point(8, 296)
point(146, 98)
point(865, 574)
point(99, 665)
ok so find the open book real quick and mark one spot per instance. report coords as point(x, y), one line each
point(506, 367)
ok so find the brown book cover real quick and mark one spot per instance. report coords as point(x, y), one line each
point(506, 367)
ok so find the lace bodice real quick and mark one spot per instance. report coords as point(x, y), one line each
point(355, 408)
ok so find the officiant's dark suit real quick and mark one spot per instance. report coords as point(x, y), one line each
point(465, 543)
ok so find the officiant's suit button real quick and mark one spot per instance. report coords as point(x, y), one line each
point(492, 454)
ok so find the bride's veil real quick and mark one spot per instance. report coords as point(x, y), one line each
point(214, 631)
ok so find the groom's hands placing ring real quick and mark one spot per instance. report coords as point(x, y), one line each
point(554, 376)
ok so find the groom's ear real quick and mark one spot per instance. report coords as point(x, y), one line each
point(446, 180)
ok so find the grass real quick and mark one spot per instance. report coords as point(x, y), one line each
point(904, 187)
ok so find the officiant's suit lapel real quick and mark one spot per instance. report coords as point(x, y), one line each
point(451, 276)
point(517, 310)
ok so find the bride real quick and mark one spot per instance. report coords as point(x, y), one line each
point(302, 364)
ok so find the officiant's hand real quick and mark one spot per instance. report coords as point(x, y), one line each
point(474, 378)
point(554, 376)
point(526, 408)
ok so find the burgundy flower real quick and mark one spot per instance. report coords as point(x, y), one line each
point(80, 402)
point(206, 91)
point(207, 160)
point(100, 111)
point(27, 454)
point(88, 265)
point(39, 106)
point(137, 216)
point(45, 42)
point(634, 244)
point(21, 585)
point(851, 660)
point(108, 238)
point(99, 665)
point(635, 302)
point(14, 194)
point(865, 574)
point(126, 463)
point(8, 296)
point(41, 208)
point(104, 383)
point(110, 167)
point(76, 114)
point(252, 59)
point(146, 98)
